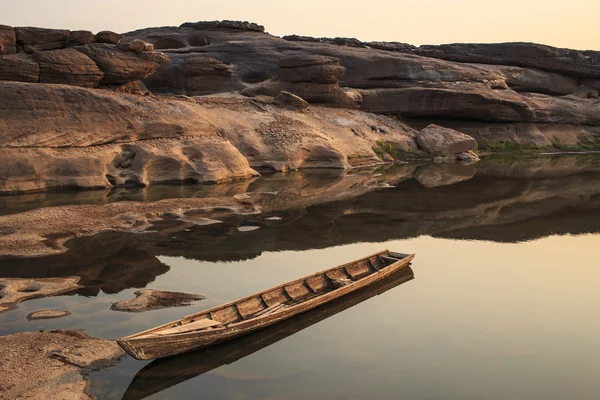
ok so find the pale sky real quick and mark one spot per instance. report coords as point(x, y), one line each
point(573, 23)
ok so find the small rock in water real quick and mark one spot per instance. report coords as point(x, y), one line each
point(274, 219)
point(47, 314)
point(200, 221)
point(248, 228)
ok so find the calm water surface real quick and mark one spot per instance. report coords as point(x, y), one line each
point(503, 305)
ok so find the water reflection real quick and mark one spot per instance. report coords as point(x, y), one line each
point(163, 374)
point(506, 201)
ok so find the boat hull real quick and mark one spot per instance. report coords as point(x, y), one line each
point(151, 347)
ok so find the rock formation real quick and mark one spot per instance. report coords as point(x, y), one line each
point(13, 291)
point(447, 144)
point(52, 365)
point(72, 58)
point(531, 95)
point(47, 314)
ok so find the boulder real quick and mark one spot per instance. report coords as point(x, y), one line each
point(19, 67)
point(8, 40)
point(119, 66)
point(441, 141)
point(133, 44)
point(41, 39)
point(79, 38)
point(290, 100)
point(154, 56)
point(108, 37)
point(566, 61)
point(68, 66)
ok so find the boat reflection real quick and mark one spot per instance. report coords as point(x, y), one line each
point(168, 372)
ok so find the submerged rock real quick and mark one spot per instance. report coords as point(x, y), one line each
point(13, 291)
point(52, 365)
point(150, 299)
point(47, 314)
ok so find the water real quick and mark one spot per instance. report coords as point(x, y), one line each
point(503, 304)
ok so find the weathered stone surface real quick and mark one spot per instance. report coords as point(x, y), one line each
point(19, 67)
point(47, 314)
point(40, 39)
point(79, 38)
point(13, 291)
point(133, 44)
point(108, 37)
point(287, 99)
point(68, 66)
point(135, 87)
point(196, 75)
point(53, 365)
point(8, 40)
point(150, 299)
point(155, 56)
point(585, 92)
point(316, 73)
point(119, 66)
point(441, 141)
point(573, 62)
point(534, 80)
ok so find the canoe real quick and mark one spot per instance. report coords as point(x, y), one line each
point(164, 373)
point(262, 309)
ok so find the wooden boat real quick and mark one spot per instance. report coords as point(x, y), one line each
point(262, 309)
point(162, 374)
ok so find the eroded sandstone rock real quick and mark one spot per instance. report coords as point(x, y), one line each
point(19, 67)
point(52, 365)
point(33, 39)
point(13, 291)
point(150, 299)
point(68, 66)
point(8, 40)
point(571, 62)
point(47, 314)
point(133, 44)
point(441, 141)
point(119, 66)
point(287, 99)
point(108, 37)
point(79, 38)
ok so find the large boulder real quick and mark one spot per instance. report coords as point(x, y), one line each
point(68, 66)
point(119, 66)
point(290, 100)
point(571, 62)
point(8, 40)
point(441, 141)
point(40, 39)
point(19, 67)
point(135, 45)
point(108, 37)
point(79, 38)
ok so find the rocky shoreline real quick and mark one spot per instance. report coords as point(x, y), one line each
point(210, 102)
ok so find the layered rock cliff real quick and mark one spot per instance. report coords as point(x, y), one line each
point(72, 112)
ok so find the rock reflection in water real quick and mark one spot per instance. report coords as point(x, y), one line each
point(506, 201)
